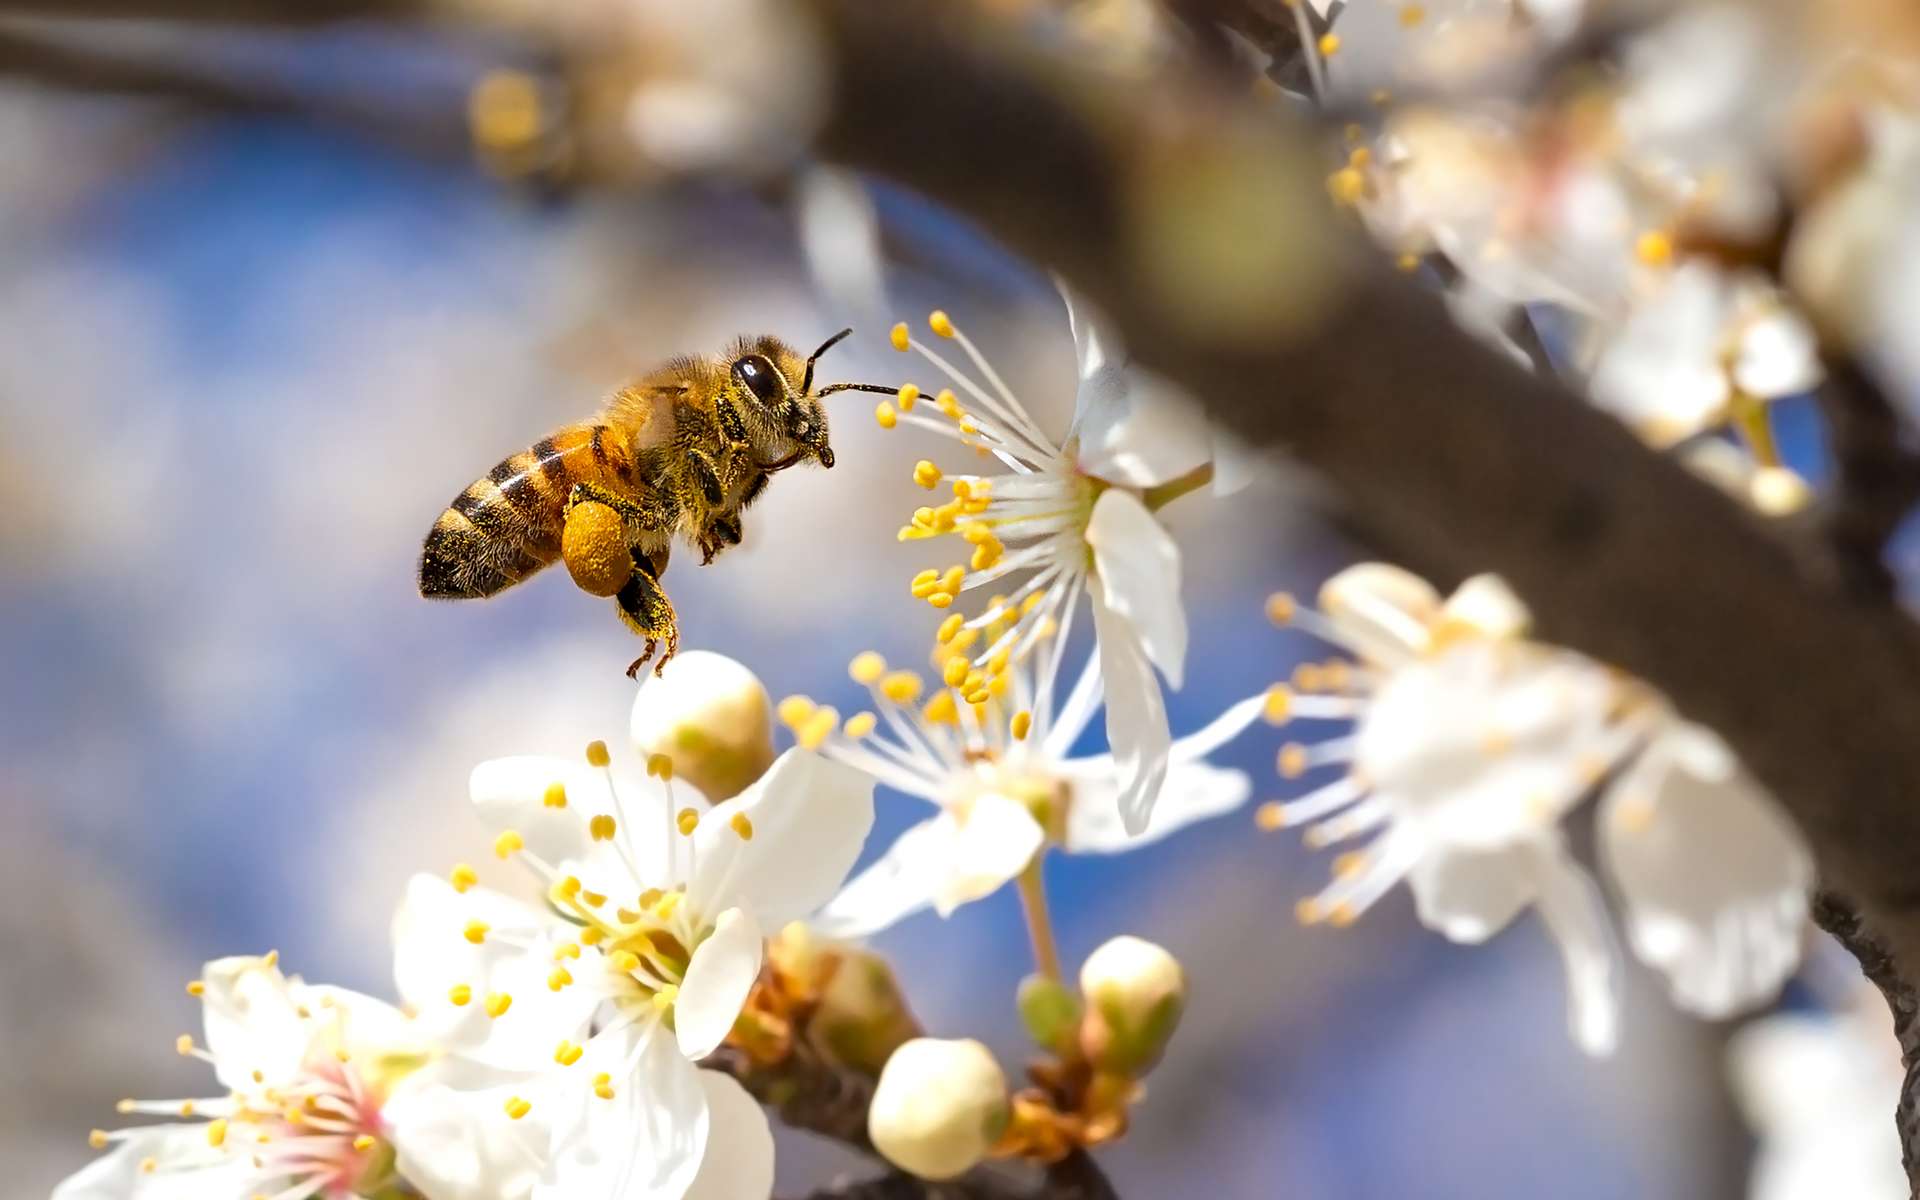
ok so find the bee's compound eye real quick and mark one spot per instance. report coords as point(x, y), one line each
point(759, 378)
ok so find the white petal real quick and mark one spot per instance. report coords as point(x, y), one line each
point(510, 794)
point(646, 1142)
point(995, 840)
point(1469, 895)
point(1138, 566)
point(366, 1028)
point(457, 1143)
point(118, 1174)
point(1235, 463)
point(1570, 905)
point(1090, 339)
point(899, 884)
point(840, 236)
point(1387, 612)
point(1778, 357)
point(1192, 792)
point(253, 1023)
point(1713, 879)
point(738, 1163)
point(719, 976)
point(1137, 430)
point(1488, 607)
point(807, 819)
point(1137, 730)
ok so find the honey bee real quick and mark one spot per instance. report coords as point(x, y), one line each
point(683, 450)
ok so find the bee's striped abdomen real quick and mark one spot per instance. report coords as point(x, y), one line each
point(506, 526)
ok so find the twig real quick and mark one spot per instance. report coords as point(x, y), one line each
point(1840, 918)
point(1878, 474)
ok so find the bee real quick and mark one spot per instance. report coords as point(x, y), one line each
point(684, 450)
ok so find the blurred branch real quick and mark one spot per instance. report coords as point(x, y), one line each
point(1878, 473)
point(1840, 918)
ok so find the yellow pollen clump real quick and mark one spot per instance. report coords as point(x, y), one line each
point(816, 730)
point(940, 323)
point(963, 640)
point(592, 899)
point(217, 1131)
point(926, 474)
point(1270, 816)
point(903, 687)
point(1329, 45)
point(1347, 185)
point(1292, 761)
point(1654, 248)
point(592, 935)
point(1412, 14)
point(908, 396)
point(742, 826)
point(508, 843)
point(955, 672)
point(1359, 156)
point(867, 667)
point(566, 950)
point(597, 755)
point(860, 725)
point(940, 599)
point(462, 877)
point(1022, 723)
point(987, 553)
point(567, 887)
point(1279, 705)
point(566, 1053)
point(517, 1108)
point(1307, 678)
point(186, 1108)
point(624, 961)
point(602, 827)
point(794, 711)
point(558, 978)
point(664, 998)
point(687, 820)
point(460, 994)
point(941, 710)
point(1407, 263)
point(885, 416)
point(898, 336)
point(476, 932)
point(497, 1003)
point(183, 1044)
point(365, 1142)
point(949, 404)
point(98, 1139)
point(603, 1086)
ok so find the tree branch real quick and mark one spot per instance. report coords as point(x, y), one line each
point(1877, 474)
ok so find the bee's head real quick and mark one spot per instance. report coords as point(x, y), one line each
point(789, 423)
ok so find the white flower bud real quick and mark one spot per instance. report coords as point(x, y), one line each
point(939, 1107)
point(712, 718)
point(1135, 992)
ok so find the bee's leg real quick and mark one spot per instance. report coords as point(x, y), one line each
point(732, 425)
point(720, 533)
point(654, 513)
point(647, 611)
point(709, 477)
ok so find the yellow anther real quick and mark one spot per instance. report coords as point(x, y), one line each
point(558, 978)
point(186, 1108)
point(1407, 263)
point(951, 581)
point(1336, 675)
point(987, 553)
point(1292, 761)
point(1329, 45)
point(1308, 911)
point(508, 843)
point(1279, 705)
point(817, 730)
point(963, 640)
point(592, 899)
point(1270, 816)
point(1654, 248)
point(460, 994)
point(664, 908)
point(624, 961)
point(1359, 156)
point(949, 404)
point(555, 796)
point(660, 766)
point(867, 667)
point(597, 755)
point(926, 474)
point(687, 820)
point(217, 1132)
point(949, 628)
point(603, 1085)
point(462, 877)
point(1000, 660)
point(963, 489)
point(1347, 185)
point(898, 336)
point(602, 827)
point(1030, 603)
point(627, 916)
point(567, 887)
point(149, 1165)
point(968, 426)
point(517, 1108)
point(196, 988)
point(976, 532)
point(98, 1139)
point(476, 931)
point(742, 826)
point(884, 413)
point(903, 687)
point(941, 709)
point(907, 397)
point(1343, 915)
point(940, 323)
point(859, 725)
point(592, 935)
point(125, 1106)
point(566, 950)
point(1349, 864)
point(1022, 723)
point(955, 672)
point(1412, 14)
point(270, 959)
point(794, 711)
point(365, 1142)
point(650, 897)
point(664, 998)
point(497, 1003)
point(1307, 677)
point(183, 1044)
point(566, 1053)
point(921, 588)
point(940, 599)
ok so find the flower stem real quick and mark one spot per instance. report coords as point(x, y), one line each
point(1161, 495)
point(1755, 423)
point(1033, 900)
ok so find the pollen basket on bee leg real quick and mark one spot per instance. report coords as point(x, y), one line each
point(594, 546)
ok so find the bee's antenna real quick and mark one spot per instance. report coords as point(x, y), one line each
point(877, 389)
point(806, 380)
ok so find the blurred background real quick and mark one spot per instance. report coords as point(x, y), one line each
point(245, 364)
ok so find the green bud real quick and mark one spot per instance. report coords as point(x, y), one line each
point(1049, 1010)
point(1135, 992)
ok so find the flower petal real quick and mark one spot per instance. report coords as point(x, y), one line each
point(1713, 879)
point(783, 847)
point(1138, 566)
point(121, 1174)
point(1129, 426)
point(718, 978)
point(995, 840)
point(1470, 895)
point(647, 1141)
point(1570, 905)
point(510, 793)
point(1193, 791)
point(900, 883)
point(1778, 357)
point(253, 1023)
point(738, 1163)
point(457, 1143)
point(1137, 730)
point(1387, 612)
